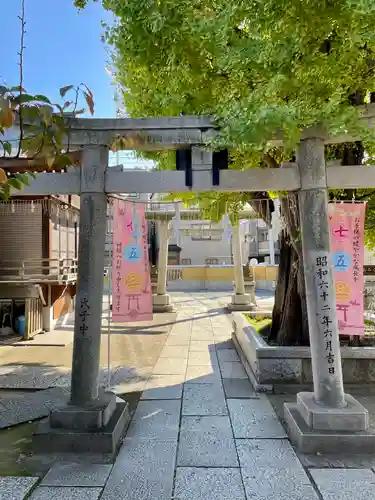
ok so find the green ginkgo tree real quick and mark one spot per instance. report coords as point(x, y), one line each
point(257, 68)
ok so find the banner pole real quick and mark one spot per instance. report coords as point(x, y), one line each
point(109, 304)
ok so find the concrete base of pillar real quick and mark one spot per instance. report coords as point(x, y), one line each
point(313, 428)
point(352, 417)
point(162, 303)
point(240, 302)
point(106, 440)
point(90, 417)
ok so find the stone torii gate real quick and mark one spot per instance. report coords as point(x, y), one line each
point(93, 420)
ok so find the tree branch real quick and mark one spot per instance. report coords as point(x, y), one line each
point(22, 47)
point(365, 196)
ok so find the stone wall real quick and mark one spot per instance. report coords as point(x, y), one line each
point(270, 366)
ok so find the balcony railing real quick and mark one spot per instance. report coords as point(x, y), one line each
point(39, 270)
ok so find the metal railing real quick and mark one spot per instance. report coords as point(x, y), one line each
point(38, 270)
point(219, 261)
point(174, 273)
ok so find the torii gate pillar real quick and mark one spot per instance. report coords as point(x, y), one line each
point(93, 420)
point(241, 301)
point(326, 420)
point(161, 300)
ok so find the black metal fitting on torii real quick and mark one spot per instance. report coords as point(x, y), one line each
point(183, 162)
point(220, 161)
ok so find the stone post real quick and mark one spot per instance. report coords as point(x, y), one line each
point(161, 301)
point(240, 300)
point(92, 421)
point(91, 254)
point(328, 408)
point(237, 261)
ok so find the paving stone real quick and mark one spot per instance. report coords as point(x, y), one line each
point(206, 442)
point(204, 399)
point(230, 369)
point(208, 484)
point(178, 351)
point(266, 483)
point(31, 406)
point(76, 474)
point(239, 388)
point(156, 420)
point(344, 484)
point(202, 345)
point(175, 366)
point(164, 387)
point(202, 335)
point(16, 488)
point(63, 381)
point(122, 379)
point(178, 340)
point(221, 320)
point(57, 493)
point(254, 418)
point(180, 336)
point(202, 358)
point(227, 355)
point(223, 332)
point(144, 470)
point(129, 387)
point(181, 329)
point(127, 375)
point(29, 377)
point(203, 375)
point(271, 453)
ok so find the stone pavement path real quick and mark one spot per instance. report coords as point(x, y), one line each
point(201, 433)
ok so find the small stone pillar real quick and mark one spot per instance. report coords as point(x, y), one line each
point(250, 283)
point(92, 421)
point(327, 420)
point(271, 246)
point(240, 300)
point(161, 300)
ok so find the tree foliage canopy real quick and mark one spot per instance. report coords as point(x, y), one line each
point(256, 66)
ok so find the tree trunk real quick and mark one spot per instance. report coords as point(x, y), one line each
point(289, 316)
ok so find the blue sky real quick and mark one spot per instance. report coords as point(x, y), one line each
point(63, 47)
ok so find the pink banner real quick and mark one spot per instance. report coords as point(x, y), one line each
point(131, 281)
point(346, 222)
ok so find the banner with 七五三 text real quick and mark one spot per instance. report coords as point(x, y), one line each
point(346, 222)
point(131, 280)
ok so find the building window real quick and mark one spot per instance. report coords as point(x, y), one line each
point(262, 236)
point(205, 232)
point(186, 262)
point(206, 237)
